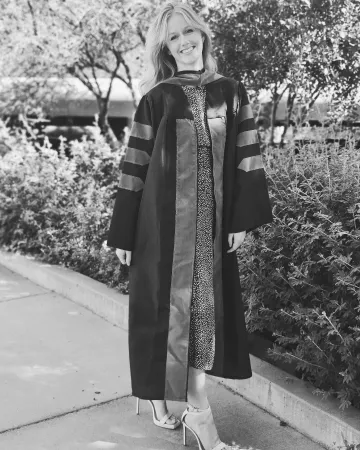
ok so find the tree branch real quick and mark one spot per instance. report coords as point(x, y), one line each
point(92, 65)
point(129, 84)
point(79, 73)
point(33, 17)
point(113, 75)
point(141, 35)
point(315, 95)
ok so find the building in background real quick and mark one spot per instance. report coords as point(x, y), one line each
point(69, 107)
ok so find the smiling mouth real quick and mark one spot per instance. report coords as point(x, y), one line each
point(188, 50)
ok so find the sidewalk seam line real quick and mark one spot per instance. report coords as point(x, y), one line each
point(66, 413)
point(25, 296)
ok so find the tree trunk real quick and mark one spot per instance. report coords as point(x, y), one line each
point(130, 83)
point(104, 125)
point(274, 107)
point(276, 97)
point(289, 106)
point(304, 110)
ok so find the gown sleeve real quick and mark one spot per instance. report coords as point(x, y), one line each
point(136, 162)
point(251, 205)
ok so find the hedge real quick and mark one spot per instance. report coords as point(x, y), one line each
point(58, 208)
point(300, 275)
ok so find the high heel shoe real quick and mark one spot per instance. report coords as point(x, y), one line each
point(162, 422)
point(201, 423)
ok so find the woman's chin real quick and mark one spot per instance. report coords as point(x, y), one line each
point(190, 62)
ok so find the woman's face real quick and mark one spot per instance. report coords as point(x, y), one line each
point(185, 43)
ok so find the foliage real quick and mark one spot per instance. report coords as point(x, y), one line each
point(89, 39)
point(57, 208)
point(307, 261)
point(302, 49)
point(298, 49)
point(301, 275)
point(349, 446)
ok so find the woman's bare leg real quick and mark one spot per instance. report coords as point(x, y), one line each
point(200, 418)
point(196, 389)
point(196, 393)
point(160, 408)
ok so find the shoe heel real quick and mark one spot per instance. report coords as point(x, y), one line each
point(201, 447)
point(137, 406)
point(184, 435)
point(217, 445)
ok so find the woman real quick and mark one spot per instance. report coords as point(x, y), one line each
point(192, 185)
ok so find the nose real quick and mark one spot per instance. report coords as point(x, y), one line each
point(183, 40)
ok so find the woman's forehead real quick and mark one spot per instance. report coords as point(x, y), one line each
point(177, 22)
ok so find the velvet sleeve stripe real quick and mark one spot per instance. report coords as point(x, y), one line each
point(247, 138)
point(131, 183)
point(141, 144)
point(246, 152)
point(245, 113)
point(251, 205)
point(246, 125)
point(132, 178)
point(136, 156)
point(134, 170)
point(142, 131)
point(251, 163)
point(138, 152)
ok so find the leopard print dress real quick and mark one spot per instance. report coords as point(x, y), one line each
point(202, 310)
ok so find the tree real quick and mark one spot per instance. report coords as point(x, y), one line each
point(86, 39)
point(327, 50)
point(252, 43)
point(303, 48)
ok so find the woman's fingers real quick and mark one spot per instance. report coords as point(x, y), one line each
point(235, 240)
point(128, 257)
point(121, 255)
point(231, 240)
point(124, 256)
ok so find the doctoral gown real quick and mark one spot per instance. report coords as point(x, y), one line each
point(154, 216)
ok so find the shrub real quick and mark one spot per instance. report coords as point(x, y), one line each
point(59, 208)
point(301, 274)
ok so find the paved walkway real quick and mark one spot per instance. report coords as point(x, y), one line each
point(65, 384)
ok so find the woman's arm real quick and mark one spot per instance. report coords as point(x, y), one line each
point(137, 158)
point(251, 205)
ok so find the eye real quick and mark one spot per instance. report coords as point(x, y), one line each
point(190, 30)
point(173, 38)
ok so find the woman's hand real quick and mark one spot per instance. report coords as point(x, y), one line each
point(124, 256)
point(235, 240)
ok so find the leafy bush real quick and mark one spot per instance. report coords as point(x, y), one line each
point(301, 275)
point(59, 208)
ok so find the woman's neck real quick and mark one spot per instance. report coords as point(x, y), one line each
point(190, 72)
point(198, 65)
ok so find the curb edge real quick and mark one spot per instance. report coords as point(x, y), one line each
point(272, 389)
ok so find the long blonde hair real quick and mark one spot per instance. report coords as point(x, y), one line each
point(160, 65)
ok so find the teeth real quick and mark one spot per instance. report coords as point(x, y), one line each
point(188, 50)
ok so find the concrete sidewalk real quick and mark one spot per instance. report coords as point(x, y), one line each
point(65, 384)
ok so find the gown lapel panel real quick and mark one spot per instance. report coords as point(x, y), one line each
point(183, 261)
point(217, 127)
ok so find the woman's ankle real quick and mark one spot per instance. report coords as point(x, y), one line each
point(199, 405)
point(194, 409)
point(160, 406)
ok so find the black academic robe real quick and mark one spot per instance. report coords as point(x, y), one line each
point(155, 217)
